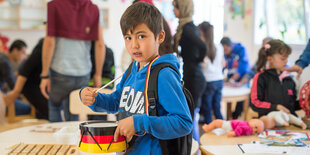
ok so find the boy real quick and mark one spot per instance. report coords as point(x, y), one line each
point(142, 28)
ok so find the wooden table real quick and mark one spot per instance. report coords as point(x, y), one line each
point(228, 145)
point(232, 95)
point(25, 135)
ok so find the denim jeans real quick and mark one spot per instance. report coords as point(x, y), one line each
point(211, 100)
point(22, 108)
point(61, 87)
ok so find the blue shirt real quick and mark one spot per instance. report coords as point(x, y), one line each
point(238, 61)
point(174, 118)
point(304, 59)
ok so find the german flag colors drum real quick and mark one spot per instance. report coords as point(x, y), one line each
point(98, 137)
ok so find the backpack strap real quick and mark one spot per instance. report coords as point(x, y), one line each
point(153, 100)
point(152, 91)
point(129, 70)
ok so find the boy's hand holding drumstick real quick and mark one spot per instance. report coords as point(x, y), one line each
point(88, 95)
point(125, 126)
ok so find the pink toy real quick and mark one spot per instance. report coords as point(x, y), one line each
point(236, 127)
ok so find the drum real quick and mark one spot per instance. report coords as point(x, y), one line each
point(98, 137)
point(304, 101)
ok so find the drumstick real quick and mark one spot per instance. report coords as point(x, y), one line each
point(109, 83)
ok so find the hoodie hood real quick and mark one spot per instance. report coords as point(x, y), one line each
point(128, 100)
point(79, 3)
point(73, 19)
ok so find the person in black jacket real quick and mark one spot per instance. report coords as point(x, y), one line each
point(193, 51)
point(16, 54)
point(28, 82)
point(272, 90)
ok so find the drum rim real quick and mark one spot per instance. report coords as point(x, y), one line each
point(97, 121)
point(97, 131)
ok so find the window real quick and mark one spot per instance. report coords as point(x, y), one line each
point(213, 12)
point(205, 10)
point(282, 19)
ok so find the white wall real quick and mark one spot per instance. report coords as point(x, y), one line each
point(112, 36)
point(240, 30)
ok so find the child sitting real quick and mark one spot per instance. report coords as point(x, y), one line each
point(236, 127)
point(142, 28)
point(271, 90)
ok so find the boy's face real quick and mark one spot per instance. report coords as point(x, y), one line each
point(141, 43)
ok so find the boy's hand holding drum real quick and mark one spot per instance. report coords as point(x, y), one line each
point(125, 128)
point(88, 96)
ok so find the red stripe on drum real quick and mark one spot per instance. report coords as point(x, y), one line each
point(101, 139)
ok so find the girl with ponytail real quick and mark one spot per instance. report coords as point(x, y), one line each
point(273, 90)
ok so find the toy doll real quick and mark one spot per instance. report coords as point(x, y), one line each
point(280, 118)
point(236, 127)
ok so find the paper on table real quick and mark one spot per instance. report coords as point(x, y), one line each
point(222, 149)
point(260, 148)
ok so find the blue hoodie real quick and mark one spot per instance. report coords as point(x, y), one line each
point(174, 118)
point(238, 61)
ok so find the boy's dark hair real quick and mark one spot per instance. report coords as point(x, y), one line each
point(226, 41)
point(276, 47)
point(19, 44)
point(166, 46)
point(142, 12)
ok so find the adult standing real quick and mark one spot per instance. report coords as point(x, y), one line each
point(193, 51)
point(302, 62)
point(66, 63)
point(213, 72)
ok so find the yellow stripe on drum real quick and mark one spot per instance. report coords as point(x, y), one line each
point(94, 148)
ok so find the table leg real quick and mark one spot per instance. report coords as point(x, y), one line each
point(228, 111)
point(245, 109)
